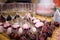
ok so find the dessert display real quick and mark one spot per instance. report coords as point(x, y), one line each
point(24, 24)
point(30, 28)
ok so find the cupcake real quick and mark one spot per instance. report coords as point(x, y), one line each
point(39, 24)
point(36, 20)
point(25, 26)
point(9, 30)
point(20, 31)
point(32, 35)
point(7, 24)
point(33, 30)
point(15, 27)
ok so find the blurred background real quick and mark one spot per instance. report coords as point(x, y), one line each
point(33, 1)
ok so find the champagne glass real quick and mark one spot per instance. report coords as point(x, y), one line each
point(34, 9)
point(12, 21)
point(5, 17)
